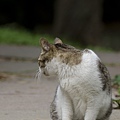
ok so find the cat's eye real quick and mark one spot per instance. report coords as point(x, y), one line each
point(41, 63)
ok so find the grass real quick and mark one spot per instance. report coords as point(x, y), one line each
point(20, 37)
point(16, 36)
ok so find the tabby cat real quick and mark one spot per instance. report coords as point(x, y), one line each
point(84, 91)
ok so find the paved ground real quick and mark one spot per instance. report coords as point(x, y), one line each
point(22, 97)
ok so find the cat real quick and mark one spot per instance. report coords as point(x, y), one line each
point(84, 90)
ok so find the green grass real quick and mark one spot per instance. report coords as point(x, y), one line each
point(20, 37)
point(16, 36)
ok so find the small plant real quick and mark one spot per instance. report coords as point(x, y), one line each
point(20, 37)
point(117, 79)
point(117, 82)
point(116, 86)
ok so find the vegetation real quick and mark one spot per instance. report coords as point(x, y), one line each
point(117, 82)
point(15, 36)
point(116, 86)
point(20, 37)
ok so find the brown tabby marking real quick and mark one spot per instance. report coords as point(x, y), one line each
point(105, 77)
point(65, 53)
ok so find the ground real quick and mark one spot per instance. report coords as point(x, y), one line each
point(22, 97)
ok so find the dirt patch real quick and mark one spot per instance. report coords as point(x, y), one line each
point(4, 76)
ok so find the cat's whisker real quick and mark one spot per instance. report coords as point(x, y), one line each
point(38, 74)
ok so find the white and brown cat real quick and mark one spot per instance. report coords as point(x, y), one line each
point(84, 91)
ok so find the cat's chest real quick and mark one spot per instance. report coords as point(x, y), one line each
point(74, 87)
point(81, 87)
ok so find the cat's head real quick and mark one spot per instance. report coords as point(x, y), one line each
point(48, 53)
point(53, 54)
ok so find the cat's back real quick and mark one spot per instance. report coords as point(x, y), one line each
point(88, 56)
point(92, 66)
point(89, 65)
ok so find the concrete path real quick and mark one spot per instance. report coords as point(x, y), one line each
point(22, 97)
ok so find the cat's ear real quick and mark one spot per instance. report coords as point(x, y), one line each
point(45, 44)
point(58, 41)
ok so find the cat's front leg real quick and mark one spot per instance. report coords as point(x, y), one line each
point(91, 114)
point(67, 107)
point(93, 107)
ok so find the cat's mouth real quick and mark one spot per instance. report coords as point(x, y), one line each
point(40, 72)
point(45, 73)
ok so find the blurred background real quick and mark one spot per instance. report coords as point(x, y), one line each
point(94, 23)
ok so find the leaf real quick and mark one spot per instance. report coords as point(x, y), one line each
point(117, 79)
point(116, 104)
